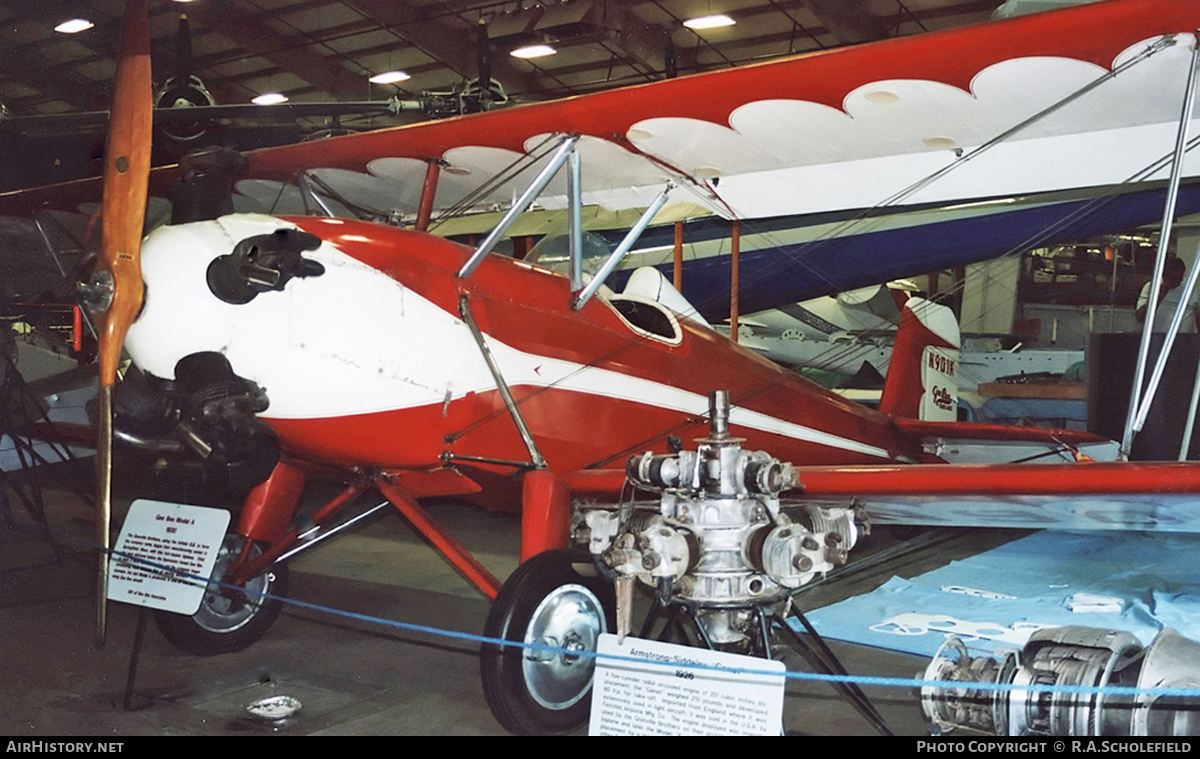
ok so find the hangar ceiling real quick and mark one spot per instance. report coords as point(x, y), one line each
point(325, 50)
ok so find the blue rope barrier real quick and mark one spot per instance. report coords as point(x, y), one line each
point(892, 682)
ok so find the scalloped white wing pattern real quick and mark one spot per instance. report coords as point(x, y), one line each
point(781, 157)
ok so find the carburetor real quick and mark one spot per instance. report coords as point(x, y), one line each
point(717, 541)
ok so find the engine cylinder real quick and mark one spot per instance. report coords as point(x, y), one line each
point(717, 540)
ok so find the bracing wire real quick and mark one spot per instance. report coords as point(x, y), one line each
point(794, 254)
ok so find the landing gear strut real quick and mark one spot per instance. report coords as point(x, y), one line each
point(717, 549)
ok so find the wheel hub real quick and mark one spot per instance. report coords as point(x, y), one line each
point(224, 611)
point(573, 643)
point(573, 615)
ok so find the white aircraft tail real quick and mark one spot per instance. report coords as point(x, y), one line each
point(922, 378)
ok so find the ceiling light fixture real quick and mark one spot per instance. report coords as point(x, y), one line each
point(389, 77)
point(270, 98)
point(709, 22)
point(533, 51)
point(74, 25)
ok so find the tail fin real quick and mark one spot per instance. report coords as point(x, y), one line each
point(922, 379)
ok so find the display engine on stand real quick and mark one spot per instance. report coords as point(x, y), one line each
point(718, 549)
point(717, 543)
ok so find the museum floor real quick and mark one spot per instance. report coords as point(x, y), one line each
point(353, 677)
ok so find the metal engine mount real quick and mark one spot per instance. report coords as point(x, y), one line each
point(1072, 656)
point(717, 541)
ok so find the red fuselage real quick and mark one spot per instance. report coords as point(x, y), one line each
point(609, 389)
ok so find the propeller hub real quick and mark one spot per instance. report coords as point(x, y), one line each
point(97, 293)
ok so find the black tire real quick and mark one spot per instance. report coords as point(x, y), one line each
point(224, 624)
point(550, 695)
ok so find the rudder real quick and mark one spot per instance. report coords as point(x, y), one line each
point(922, 379)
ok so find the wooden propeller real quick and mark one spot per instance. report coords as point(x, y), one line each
point(119, 271)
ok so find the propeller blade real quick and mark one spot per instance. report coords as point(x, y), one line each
point(126, 174)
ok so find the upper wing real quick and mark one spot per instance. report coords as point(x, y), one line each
point(848, 128)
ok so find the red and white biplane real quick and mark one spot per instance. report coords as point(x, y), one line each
point(287, 347)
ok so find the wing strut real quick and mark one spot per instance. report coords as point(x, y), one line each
point(567, 152)
point(433, 170)
point(535, 455)
point(565, 148)
point(307, 194)
point(630, 238)
point(575, 220)
point(1138, 410)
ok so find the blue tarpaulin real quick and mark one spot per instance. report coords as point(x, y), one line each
point(1138, 582)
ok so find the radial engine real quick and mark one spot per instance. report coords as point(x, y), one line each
point(717, 541)
point(1067, 656)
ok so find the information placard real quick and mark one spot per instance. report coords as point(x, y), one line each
point(175, 535)
point(636, 698)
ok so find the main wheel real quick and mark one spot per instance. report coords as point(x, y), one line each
point(555, 599)
point(226, 623)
